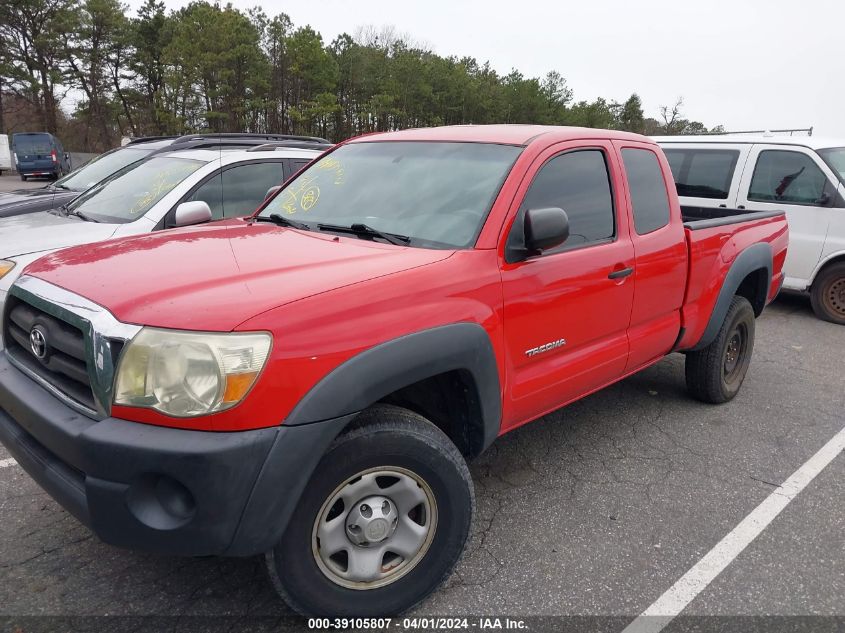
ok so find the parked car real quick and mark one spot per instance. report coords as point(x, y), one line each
point(39, 154)
point(5, 154)
point(802, 176)
point(166, 190)
point(309, 382)
point(61, 192)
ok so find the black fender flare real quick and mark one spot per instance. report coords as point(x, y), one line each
point(336, 400)
point(390, 366)
point(755, 257)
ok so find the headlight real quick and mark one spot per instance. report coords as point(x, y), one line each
point(187, 374)
point(5, 267)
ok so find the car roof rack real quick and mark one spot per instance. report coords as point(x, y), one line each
point(248, 136)
point(272, 147)
point(149, 139)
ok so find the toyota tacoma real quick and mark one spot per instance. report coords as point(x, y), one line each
point(309, 383)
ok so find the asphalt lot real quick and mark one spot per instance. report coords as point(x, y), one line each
point(11, 182)
point(596, 509)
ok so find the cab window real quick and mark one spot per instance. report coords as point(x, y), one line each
point(787, 177)
point(649, 199)
point(578, 183)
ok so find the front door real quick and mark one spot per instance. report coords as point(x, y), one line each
point(567, 310)
point(792, 180)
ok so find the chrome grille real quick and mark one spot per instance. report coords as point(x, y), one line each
point(63, 363)
point(82, 343)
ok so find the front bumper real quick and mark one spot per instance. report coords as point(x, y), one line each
point(161, 489)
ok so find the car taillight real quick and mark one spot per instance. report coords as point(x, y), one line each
point(53, 155)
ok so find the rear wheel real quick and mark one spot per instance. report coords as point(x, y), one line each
point(715, 374)
point(23, 177)
point(382, 522)
point(828, 294)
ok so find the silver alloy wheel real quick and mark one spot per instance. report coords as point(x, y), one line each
point(374, 528)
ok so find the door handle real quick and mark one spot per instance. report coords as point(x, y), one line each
point(740, 206)
point(619, 274)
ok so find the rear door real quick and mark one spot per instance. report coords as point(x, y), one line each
point(660, 276)
point(566, 311)
point(33, 152)
point(794, 180)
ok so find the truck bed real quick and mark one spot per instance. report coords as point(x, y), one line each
point(696, 218)
point(715, 238)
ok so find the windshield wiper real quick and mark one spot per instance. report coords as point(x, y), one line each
point(363, 230)
point(281, 220)
point(78, 214)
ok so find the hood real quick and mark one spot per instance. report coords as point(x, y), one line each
point(29, 200)
point(36, 232)
point(217, 276)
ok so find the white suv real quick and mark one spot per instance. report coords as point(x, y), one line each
point(802, 176)
point(170, 189)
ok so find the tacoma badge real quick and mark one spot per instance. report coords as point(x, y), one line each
point(546, 347)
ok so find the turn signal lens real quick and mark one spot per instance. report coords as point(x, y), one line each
point(5, 267)
point(237, 386)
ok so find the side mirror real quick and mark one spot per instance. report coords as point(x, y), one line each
point(271, 192)
point(545, 228)
point(189, 213)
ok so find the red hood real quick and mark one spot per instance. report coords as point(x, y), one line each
point(217, 276)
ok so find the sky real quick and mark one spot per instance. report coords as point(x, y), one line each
point(744, 64)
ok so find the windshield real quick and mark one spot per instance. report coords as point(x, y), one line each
point(101, 168)
point(438, 194)
point(131, 193)
point(835, 159)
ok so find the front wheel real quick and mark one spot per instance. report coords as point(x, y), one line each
point(382, 522)
point(23, 177)
point(715, 374)
point(828, 294)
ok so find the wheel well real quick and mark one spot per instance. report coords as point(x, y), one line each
point(450, 401)
point(755, 288)
point(839, 259)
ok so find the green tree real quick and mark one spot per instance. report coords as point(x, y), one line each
point(94, 49)
point(631, 117)
point(30, 52)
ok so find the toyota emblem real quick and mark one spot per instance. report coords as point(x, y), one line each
point(38, 342)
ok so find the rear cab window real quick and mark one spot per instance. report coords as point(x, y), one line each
point(649, 199)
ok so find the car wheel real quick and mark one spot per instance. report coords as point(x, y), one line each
point(382, 522)
point(828, 294)
point(715, 374)
point(23, 177)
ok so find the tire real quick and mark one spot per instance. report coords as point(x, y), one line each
point(715, 374)
point(827, 295)
point(23, 177)
point(385, 443)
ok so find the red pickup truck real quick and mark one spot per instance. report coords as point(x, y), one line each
point(309, 382)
